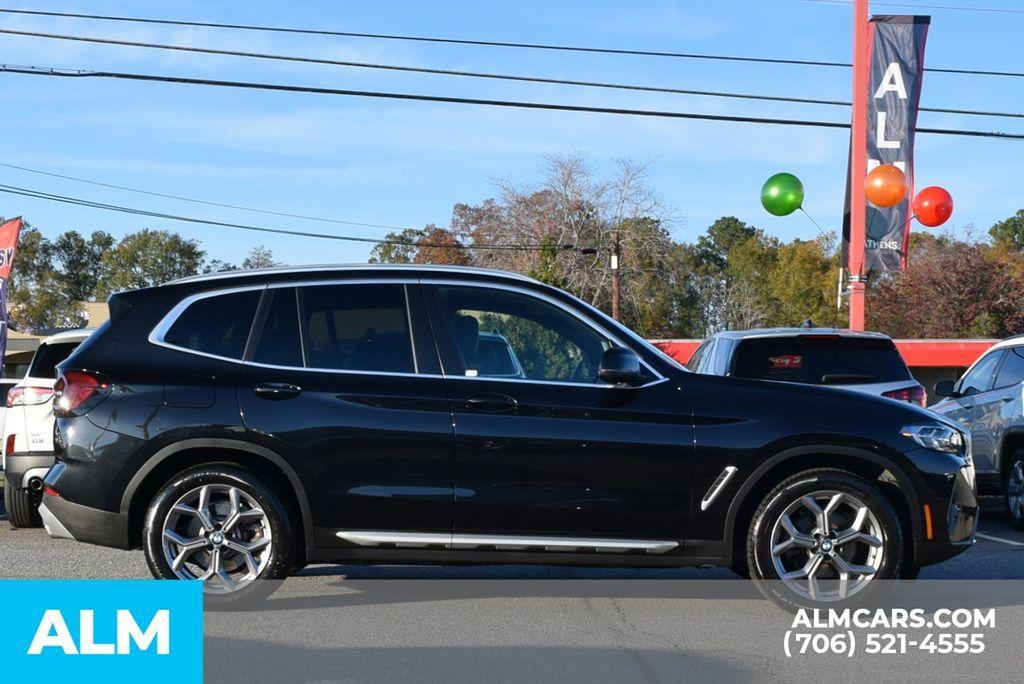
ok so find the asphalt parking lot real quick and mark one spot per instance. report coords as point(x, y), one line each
point(367, 623)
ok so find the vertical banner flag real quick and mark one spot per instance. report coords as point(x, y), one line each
point(894, 94)
point(10, 231)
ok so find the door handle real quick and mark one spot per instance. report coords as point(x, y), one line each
point(277, 390)
point(492, 403)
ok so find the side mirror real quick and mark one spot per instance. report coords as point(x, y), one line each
point(945, 388)
point(620, 366)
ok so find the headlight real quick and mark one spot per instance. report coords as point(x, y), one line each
point(937, 438)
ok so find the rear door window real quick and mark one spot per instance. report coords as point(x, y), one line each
point(44, 363)
point(357, 328)
point(217, 325)
point(279, 341)
point(820, 360)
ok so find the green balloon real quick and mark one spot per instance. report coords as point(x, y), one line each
point(782, 194)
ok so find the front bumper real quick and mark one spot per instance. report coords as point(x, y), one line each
point(954, 521)
point(22, 466)
point(66, 520)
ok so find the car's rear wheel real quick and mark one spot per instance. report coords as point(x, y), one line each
point(22, 507)
point(823, 536)
point(222, 525)
point(1013, 485)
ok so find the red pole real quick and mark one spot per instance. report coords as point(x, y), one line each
point(859, 162)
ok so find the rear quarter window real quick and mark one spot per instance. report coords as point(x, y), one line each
point(820, 361)
point(217, 325)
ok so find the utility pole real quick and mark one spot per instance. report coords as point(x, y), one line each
point(616, 283)
point(859, 164)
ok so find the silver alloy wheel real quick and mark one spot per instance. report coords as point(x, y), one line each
point(219, 534)
point(1015, 491)
point(827, 546)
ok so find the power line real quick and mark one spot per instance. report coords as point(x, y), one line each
point(957, 8)
point(199, 201)
point(472, 74)
point(280, 87)
point(481, 43)
point(64, 199)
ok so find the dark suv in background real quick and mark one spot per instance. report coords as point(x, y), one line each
point(238, 426)
point(866, 362)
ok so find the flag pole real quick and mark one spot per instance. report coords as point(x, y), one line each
point(858, 164)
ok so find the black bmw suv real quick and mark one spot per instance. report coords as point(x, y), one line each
point(238, 426)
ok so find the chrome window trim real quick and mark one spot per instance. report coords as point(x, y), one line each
point(156, 336)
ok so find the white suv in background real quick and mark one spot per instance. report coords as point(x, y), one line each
point(28, 429)
point(989, 400)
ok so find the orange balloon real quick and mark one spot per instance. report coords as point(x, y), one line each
point(886, 186)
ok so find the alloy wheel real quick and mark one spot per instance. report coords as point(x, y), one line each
point(218, 534)
point(827, 546)
point(1015, 491)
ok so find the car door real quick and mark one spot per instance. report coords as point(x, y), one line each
point(997, 409)
point(972, 390)
point(556, 452)
point(343, 380)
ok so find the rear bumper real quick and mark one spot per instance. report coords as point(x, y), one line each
point(31, 463)
point(66, 520)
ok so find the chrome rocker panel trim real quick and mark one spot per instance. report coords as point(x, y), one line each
point(502, 542)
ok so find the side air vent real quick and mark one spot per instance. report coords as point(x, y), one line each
point(717, 486)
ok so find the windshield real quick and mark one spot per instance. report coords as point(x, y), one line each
point(820, 360)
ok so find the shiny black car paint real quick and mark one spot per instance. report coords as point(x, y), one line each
point(440, 452)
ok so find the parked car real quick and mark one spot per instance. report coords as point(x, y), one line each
point(989, 401)
point(28, 429)
point(862, 361)
point(5, 386)
point(236, 426)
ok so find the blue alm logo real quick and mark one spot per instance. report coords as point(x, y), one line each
point(89, 630)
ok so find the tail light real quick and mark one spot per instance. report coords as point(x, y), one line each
point(29, 396)
point(76, 392)
point(914, 395)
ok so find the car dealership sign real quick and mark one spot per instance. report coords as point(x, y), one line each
point(102, 630)
point(894, 93)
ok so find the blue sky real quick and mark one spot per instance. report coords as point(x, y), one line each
point(406, 163)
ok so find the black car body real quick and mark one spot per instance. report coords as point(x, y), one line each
point(349, 393)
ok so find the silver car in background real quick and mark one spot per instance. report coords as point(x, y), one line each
point(989, 400)
point(866, 362)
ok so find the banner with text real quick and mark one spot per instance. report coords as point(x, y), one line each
point(894, 94)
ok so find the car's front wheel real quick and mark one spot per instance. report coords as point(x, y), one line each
point(222, 525)
point(1014, 487)
point(823, 536)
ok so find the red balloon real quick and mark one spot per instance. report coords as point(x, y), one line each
point(886, 186)
point(933, 206)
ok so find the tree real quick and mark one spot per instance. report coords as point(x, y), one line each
point(78, 261)
point(37, 300)
point(397, 248)
point(148, 258)
point(1008, 234)
point(938, 297)
point(259, 257)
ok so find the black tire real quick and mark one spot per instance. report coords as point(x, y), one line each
point(22, 507)
point(280, 553)
point(792, 490)
point(1016, 513)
